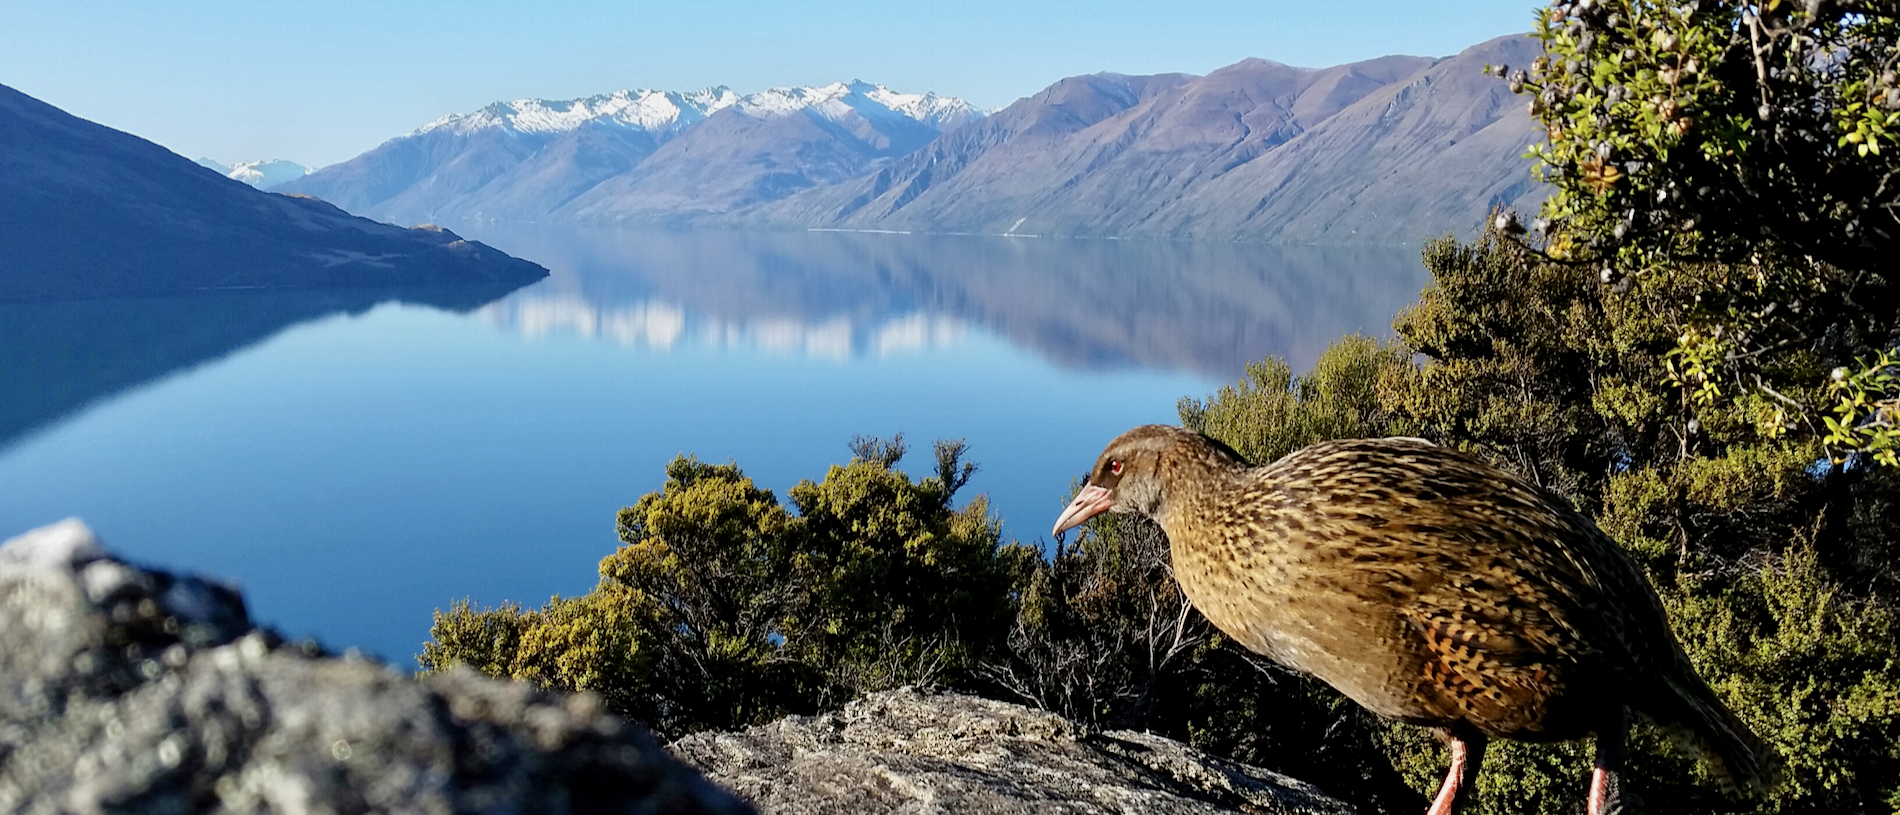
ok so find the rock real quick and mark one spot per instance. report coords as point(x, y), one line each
point(914, 752)
point(134, 690)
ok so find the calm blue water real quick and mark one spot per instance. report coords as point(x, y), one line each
point(354, 462)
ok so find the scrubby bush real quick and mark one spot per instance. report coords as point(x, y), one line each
point(722, 608)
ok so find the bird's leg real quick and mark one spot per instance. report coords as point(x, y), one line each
point(1606, 782)
point(1467, 752)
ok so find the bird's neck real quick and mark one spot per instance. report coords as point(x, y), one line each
point(1191, 484)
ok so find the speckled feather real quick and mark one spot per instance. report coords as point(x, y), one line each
point(1424, 584)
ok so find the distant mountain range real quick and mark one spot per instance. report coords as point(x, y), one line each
point(261, 174)
point(88, 211)
point(641, 155)
point(1389, 150)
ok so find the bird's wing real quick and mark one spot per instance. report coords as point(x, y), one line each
point(1507, 584)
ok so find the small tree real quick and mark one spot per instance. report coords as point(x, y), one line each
point(1747, 149)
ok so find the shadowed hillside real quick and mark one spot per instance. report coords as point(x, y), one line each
point(88, 211)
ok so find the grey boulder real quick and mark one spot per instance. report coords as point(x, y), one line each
point(132, 690)
point(907, 751)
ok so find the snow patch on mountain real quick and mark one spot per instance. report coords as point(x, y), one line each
point(267, 174)
point(262, 174)
point(650, 110)
point(671, 111)
point(839, 99)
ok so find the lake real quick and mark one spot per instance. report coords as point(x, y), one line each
point(355, 459)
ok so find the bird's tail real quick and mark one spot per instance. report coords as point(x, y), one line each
point(1748, 762)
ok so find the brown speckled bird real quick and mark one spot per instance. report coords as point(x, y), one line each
point(1426, 585)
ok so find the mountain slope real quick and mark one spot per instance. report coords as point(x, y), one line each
point(1416, 159)
point(1394, 149)
point(88, 211)
point(634, 154)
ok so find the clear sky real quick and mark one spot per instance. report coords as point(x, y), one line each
point(318, 81)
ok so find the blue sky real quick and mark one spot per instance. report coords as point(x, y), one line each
point(319, 82)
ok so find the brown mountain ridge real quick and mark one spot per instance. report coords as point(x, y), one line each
point(1390, 150)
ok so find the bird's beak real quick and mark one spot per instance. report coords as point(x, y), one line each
point(1088, 503)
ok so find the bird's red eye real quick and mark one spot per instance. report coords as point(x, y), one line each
point(1115, 467)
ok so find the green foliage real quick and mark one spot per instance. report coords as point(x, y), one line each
point(723, 609)
point(1693, 130)
point(1737, 147)
point(1815, 668)
point(899, 586)
point(1270, 413)
point(598, 642)
point(1509, 340)
point(711, 552)
point(1866, 408)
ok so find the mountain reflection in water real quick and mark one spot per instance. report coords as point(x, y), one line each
point(1206, 308)
point(60, 356)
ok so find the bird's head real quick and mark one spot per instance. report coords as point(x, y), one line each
point(1128, 475)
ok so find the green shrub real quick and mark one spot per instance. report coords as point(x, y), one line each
point(723, 609)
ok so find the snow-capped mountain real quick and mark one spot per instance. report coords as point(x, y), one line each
point(266, 174)
point(649, 110)
point(1390, 150)
point(1256, 151)
point(840, 99)
point(261, 174)
point(635, 154)
point(660, 111)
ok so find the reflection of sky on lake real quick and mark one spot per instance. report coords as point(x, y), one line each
point(354, 466)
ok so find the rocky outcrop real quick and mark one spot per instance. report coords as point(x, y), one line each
point(906, 751)
point(130, 690)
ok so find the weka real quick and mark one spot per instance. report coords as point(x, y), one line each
point(1428, 586)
